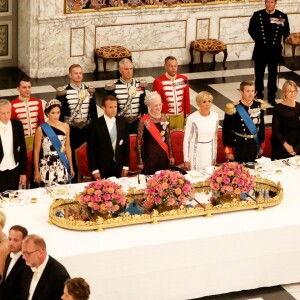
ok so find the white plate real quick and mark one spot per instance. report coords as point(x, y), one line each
point(195, 173)
point(295, 160)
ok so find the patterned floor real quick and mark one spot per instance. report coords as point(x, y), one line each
point(222, 84)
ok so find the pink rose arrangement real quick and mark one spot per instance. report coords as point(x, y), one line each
point(231, 177)
point(167, 188)
point(103, 195)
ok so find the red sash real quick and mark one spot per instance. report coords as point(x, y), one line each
point(155, 133)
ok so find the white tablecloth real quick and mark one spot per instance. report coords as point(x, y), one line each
point(180, 259)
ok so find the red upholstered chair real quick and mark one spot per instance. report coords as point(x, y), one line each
point(29, 166)
point(133, 168)
point(82, 163)
point(268, 145)
point(177, 136)
point(221, 157)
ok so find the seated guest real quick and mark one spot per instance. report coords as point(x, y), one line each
point(52, 152)
point(10, 287)
point(154, 148)
point(28, 110)
point(286, 123)
point(76, 289)
point(13, 157)
point(43, 276)
point(200, 137)
point(108, 143)
point(3, 244)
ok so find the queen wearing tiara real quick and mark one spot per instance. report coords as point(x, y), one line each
point(154, 148)
point(52, 152)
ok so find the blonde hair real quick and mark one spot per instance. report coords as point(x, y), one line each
point(285, 85)
point(2, 218)
point(202, 96)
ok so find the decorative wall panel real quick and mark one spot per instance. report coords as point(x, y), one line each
point(203, 28)
point(3, 6)
point(4, 41)
point(77, 42)
point(143, 37)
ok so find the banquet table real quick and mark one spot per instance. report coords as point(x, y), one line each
point(180, 259)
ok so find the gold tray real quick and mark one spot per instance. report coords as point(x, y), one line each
point(207, 210)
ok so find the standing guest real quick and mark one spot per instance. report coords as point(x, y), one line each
point(3, 244)
point(286, 123)
point(76, 289)
point(268, 28)
point(43, 276)
point(175, 93)
point(13, 157)
point(52, 152)
point(10, 287)
point(78, 109)
point(28, 110)
point(200, 137)
point(130, 94)
point(244, 127)
point(108, 143)
point(154, 150)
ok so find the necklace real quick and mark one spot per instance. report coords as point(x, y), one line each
point(155, 117)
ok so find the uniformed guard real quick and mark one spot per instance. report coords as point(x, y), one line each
point(78, 109)
point(130, 93)
point(268, 28)
point(243, 126)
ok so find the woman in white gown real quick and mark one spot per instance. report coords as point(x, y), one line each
point(200, 138)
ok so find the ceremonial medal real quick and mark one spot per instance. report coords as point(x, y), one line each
point(62, 149)
point(255, 120)
point(132, 91)
point(82, 94)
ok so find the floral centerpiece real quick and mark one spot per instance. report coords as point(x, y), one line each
point(232, 179)
point(103, 196)
point(167, 189)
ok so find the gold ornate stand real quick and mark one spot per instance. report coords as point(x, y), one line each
point(69, 214)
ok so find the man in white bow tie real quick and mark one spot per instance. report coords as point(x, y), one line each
point(44, 276)
point(10, 287)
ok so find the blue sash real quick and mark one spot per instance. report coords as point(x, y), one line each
point(249, 123)
point(57, 146)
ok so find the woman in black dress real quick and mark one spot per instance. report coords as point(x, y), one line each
point(154, 149)
point(286, 124)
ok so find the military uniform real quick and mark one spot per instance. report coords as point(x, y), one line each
point(78, 110)
point(130, 96)
point(236, 135)
point(268, 30)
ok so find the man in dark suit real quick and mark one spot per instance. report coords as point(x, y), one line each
point(10, 287)
point(44, 276)
point(13, 155)
point(108, 143)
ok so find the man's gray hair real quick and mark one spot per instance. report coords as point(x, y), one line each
point(123, 61)
point(4, 102)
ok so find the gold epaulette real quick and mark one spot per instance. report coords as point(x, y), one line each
point(230, 108)
point(110, 85)
point(143, 82)
point(263, 104)
point(91, 89)
point(61, 90)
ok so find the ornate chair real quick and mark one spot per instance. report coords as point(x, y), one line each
point(177, 136)
point(115, 53)
point(294, 40)
point(268, 143)
point(212, 46)
point(221, 157)
point(133, 168)
point(82, 163)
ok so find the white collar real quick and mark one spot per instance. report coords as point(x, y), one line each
point(41, 267)
point(16, 255)
point(171, 77)
point(109, 120)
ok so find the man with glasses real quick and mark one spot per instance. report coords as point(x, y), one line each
point(44, 276)
point(10, 286)
point(268, 28)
